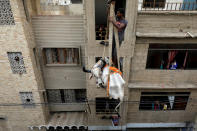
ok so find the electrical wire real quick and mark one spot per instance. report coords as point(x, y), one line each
point(98, 103)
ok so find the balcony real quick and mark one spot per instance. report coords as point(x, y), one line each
point(167, 5)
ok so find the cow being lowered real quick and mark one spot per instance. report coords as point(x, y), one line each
point(108, 77)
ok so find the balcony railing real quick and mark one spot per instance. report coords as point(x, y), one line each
point(167, 6)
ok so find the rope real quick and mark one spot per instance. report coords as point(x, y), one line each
point(103, 53)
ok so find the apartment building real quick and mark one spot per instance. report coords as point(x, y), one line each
point(45, 44)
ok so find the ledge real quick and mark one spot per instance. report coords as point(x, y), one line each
point(143, 85)
point(168, 35)
point(62, 65)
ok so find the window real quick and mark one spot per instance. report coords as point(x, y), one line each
point(101, 19)
point(172, 56)
point(27, 99)
point(6, 15)
point(16, 62)
point(106, 105)
point(101, 10)
point(61, 55)
point(154, 3)
point(163, 100)
point(66, 95)
point(76, 1)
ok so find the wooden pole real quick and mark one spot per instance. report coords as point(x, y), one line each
point(111, 27)
point(117, 45)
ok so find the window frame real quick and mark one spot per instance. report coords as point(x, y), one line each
point(58, 64)
point(62, 96)
point(154, 3)
point(171, 47)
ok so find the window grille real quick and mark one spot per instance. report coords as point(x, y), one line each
point(106, 105)
point(66, 95)
point(16, 62)
point(163, 101)
point(154, 3)
point(27, 99)
point(6, 15)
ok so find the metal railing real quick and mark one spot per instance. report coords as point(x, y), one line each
point(167, 6)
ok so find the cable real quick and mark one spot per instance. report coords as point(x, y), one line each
point(97, 103)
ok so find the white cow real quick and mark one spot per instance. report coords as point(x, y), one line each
point(113, 82)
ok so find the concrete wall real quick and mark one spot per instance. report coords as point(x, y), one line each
point(18, 38)
point(166, 24)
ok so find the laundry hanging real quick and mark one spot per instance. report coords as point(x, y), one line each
point(189, 5)
point(171, 100)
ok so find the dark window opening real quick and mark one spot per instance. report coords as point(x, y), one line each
point(61, 55)
point(76, 1)
point(172, 57)
point(121, 62)
point(66, 95)
point(101, 16)
point(154, 3)
point(106, 105)
point(163, 101)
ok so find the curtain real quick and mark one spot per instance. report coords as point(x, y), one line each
point(185, 60)
point(48, 56)
point(69, 56)
point(171, 56)
point(61, 56)
point(189, 5)
point(55, 55)
point(76, 56)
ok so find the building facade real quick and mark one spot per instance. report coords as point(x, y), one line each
point(46, 43)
